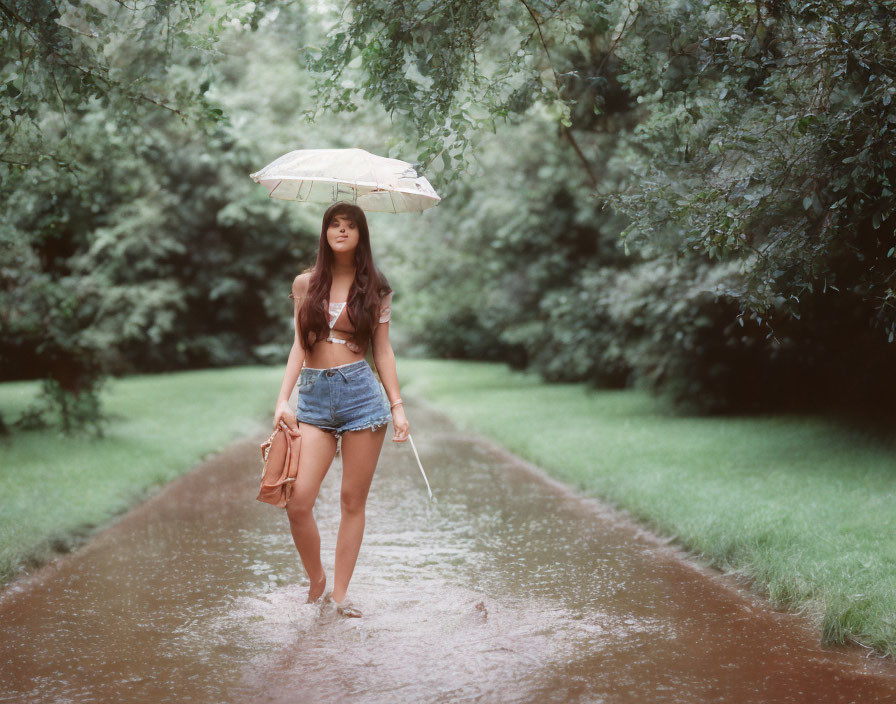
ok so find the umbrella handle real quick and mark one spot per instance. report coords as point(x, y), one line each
point(414, 448)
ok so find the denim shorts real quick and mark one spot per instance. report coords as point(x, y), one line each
point(347, 397)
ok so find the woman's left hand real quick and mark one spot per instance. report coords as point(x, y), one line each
point(401, 425)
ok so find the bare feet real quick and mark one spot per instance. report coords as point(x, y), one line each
point(317, 588)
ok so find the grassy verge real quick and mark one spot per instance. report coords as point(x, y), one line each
point(803, 507)
point(56, 491)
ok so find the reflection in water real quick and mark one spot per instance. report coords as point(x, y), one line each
point(506, 589)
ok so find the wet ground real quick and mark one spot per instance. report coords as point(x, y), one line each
point(508, 589)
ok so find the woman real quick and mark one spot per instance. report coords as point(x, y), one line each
point(341, 306)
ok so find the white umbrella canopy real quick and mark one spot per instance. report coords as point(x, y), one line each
point(374, 183)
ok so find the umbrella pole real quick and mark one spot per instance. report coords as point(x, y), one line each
point(414, 448)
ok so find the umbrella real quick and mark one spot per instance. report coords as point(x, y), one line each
point(374, 183)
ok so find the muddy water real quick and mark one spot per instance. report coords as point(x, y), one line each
point(507, 589)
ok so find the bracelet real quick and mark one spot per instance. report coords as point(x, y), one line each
point(395, 403)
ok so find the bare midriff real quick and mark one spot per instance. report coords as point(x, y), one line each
point(325, 354)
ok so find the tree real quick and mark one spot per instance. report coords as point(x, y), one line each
point(75, 73)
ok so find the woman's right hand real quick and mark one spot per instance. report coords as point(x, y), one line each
point(401, 425)
point(285, 413)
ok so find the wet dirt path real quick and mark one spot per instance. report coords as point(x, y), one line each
point(508, 589)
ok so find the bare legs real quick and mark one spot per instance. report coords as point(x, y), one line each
point(360, 453)
point(315, 456)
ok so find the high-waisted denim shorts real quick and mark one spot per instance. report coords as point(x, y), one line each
point(347, 397)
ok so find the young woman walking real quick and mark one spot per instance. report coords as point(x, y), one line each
point(342, 305)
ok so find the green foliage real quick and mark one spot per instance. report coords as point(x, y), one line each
point(753, 144)
point(75, 410)
point(165, 264)
point(143, 247)
point(696, 197)
point(496, 277)
point(767, 138)
point(62, 58)
point(450, 70)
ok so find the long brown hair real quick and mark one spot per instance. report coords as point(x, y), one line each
point(364, 295)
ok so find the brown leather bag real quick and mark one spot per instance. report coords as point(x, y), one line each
point(281, 465)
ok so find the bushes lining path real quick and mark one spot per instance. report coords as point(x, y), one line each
point(802, 506)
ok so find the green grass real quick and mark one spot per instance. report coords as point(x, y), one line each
point(56, 491)
point(801, 506)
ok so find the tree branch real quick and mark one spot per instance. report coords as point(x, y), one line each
point(566, 131)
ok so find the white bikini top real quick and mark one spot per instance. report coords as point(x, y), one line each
point(337, 307)
point(335, 311)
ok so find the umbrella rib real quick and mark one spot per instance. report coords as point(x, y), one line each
point(373, 184)
point(271, 194)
